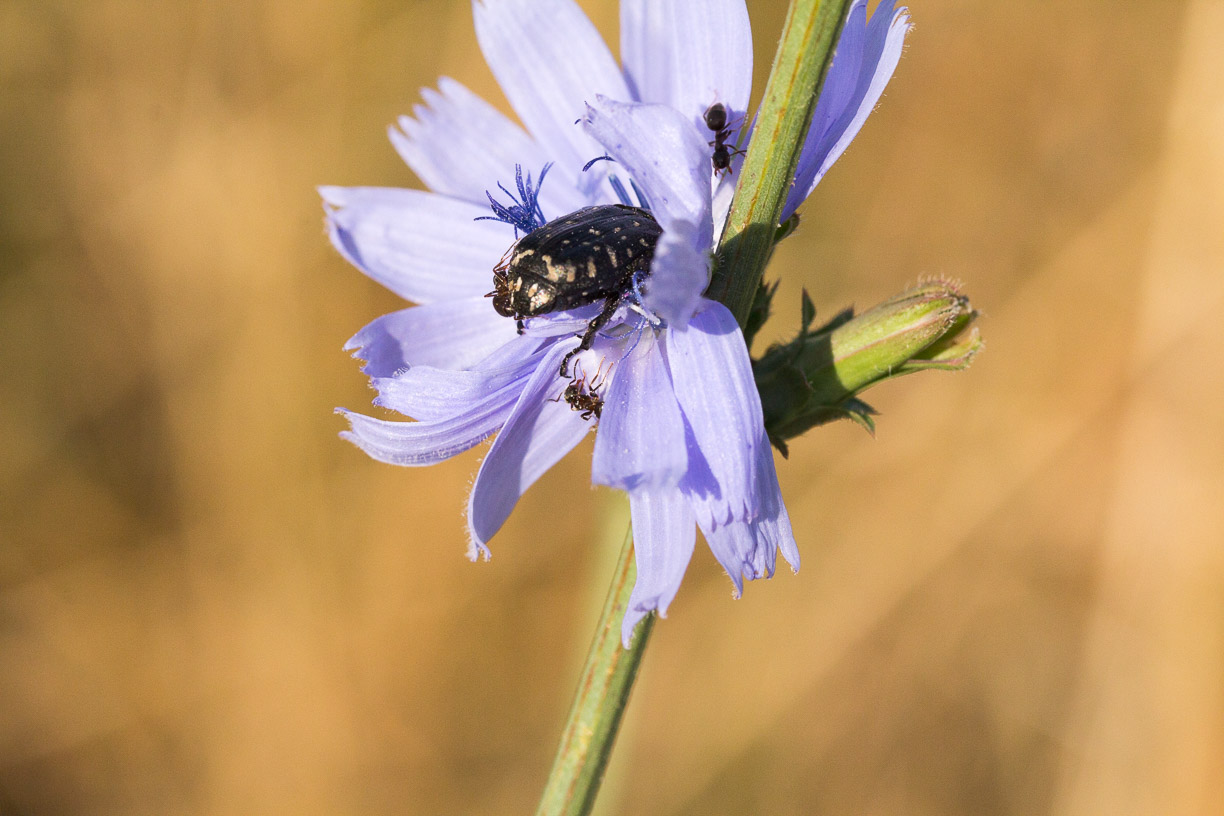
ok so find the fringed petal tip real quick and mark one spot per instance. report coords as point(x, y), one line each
point(333, 196)
point(348, 434)
point(371, 354)
point(748, 551)
point(637, 611)
point(368, 367)
point(477, 551)
point(790, 552)
point(633, 616)
point(748, 572)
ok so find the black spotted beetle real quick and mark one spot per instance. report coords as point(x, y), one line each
point(596, 253)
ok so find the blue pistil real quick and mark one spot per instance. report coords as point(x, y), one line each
point(524, 213)
point(618, 186)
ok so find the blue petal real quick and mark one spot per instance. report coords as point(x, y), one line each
point(688, 54)
point(460, 145)
point(416, 444)
point(738, 549)
point(450, 334)
point(665, 153)
point(679, 274)
point(550, 61)
point(430, 393)
point(538, 433)
point(867, 54)
point(724, 192)
point(640, 442)
point(422, 246)
point(663, 538)
point(668, 158)
point(749, 549)
point(773, 523)
point(718, 395)
point(555, 324)
point(838, 90)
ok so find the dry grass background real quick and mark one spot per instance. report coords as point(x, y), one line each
point(1011, 600)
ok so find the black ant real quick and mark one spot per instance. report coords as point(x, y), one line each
point(716, 120)
point(588, 402)
point(583, 397)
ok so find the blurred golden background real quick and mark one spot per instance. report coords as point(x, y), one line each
point(1011, 602)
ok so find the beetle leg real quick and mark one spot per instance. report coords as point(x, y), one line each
point(518, 324)
point(588, 337)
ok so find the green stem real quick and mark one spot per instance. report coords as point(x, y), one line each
point(603, 693)
point(803, 57)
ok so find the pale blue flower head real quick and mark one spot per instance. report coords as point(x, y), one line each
point(680, 428)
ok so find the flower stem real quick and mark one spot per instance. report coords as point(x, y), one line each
point(603, 692)
point(803, 57)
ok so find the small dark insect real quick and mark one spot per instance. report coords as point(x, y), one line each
point(716, 117)
point(716, 120)
point(596, 253)
point(588, 402)
point(582, 397)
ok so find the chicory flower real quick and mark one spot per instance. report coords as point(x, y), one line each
point(667, 381)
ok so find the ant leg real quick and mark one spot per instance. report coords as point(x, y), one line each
point(601, 376)
point(588, 337)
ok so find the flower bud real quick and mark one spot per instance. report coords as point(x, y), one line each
point(818, 376)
